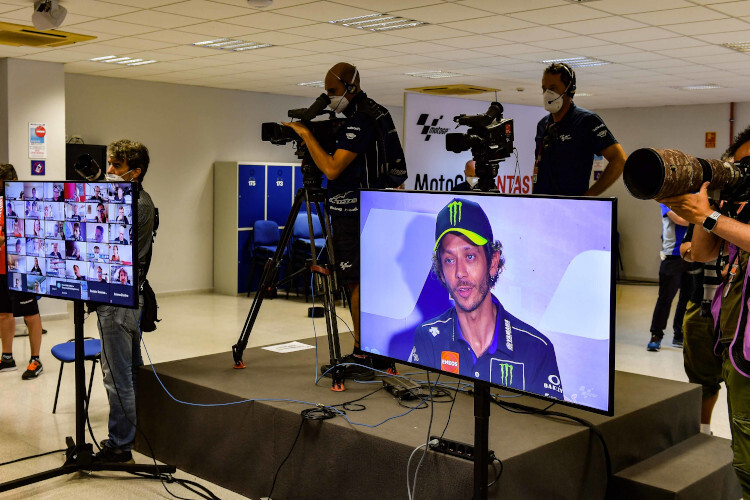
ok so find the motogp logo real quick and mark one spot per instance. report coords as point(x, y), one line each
point(429, 129)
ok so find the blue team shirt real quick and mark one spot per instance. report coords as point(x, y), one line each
point(566, 158)
point(355, 135)
point(519, 357)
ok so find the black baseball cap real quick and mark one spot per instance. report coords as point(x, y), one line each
point(464, 217)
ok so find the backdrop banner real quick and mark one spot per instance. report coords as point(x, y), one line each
point(428, 118)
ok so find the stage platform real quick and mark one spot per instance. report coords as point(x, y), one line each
point(653, 439)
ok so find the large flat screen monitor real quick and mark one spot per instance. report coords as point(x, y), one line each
point(517, 291)
point(73, 240)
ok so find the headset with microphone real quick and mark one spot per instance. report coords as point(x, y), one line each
point(571, 88)
point(351, 87)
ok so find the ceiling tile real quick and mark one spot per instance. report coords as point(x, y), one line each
point(501, 7)
point(135, 43)
point(217, 29)
point(600, 25)
point(321, 30)
point(635, 35)
point(97, 8)
point(205, 9)
point(678, 16)
point(176, 37)
point(562, 14)
point(637, 6)
point(706, 27)
point(490, 24)
point(324, 11)
point(268, 21)
point(534, 34)
point(668, 43)
point(156, 19)
point(430, 32)
point(736, 9)
point(440, 13)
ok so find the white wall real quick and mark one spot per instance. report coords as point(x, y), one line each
point(186, 129)
point(674, 127)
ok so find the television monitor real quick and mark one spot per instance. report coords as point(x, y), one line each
point(72, 240)
point(545, 328)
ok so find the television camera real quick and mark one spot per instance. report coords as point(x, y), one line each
point(323, 130)
point(490, 139)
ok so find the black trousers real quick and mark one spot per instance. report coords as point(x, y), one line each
point(672, 277)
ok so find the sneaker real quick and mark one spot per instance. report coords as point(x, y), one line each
point(677, 342)
point(8, 365)
point(655, 344)
point(33, 370)
point(111, 455)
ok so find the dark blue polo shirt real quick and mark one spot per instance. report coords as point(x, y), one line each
point(565, 151)
point(355, 135)
point(519, 356)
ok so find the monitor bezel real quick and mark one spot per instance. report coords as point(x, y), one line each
point(609, 411)
point(134, 223)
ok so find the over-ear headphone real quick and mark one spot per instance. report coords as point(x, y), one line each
point(351, 87)
point(571, 89)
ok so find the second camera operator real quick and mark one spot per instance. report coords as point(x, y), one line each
point(368, 153)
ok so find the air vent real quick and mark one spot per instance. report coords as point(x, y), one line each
point(458, 89)
point(19, 35)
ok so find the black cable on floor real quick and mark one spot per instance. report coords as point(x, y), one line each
point(32, 456)
point(299, 430)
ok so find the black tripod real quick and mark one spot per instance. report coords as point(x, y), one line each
point(79, 455)
point(324, 277)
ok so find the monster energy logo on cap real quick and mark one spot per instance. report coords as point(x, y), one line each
point(464, 217)
point(506, 374)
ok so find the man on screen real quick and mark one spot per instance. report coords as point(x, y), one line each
point(477, 337)
point(121, 236)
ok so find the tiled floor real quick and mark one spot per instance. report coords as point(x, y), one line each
point(198, 324)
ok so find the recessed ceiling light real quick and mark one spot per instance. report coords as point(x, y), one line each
point(126, 61)
point(434, 74)
point(231, 44)
point(702, 86)
point(378, 22)
point(739, 46)
point(583, 94)
point(578, 62)
point(318, 83)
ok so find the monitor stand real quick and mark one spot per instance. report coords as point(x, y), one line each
point(481, 438)
point(79, 454)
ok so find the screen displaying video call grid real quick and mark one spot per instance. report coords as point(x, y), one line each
point(72, 240)
point(554, 332)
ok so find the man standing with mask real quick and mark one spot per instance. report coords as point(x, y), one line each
point(367, 154)
point(567, 140)
point(118, 326)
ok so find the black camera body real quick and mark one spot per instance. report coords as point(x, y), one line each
point(323, 130)
point(490, 139)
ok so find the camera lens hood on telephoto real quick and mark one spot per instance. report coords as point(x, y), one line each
point(660, 173)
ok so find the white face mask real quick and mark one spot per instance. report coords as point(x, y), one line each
point(553, 101)
point(338, 103)
point(115, 177)
point(472, 180)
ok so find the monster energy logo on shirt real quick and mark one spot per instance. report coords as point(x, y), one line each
point(455, 212)
point(506, 374)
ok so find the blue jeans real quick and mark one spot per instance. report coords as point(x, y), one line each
point(121, 357)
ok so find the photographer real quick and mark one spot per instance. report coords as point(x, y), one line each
point(118, 326)
point(567, 140)
point(729, 315)
point(367, 133)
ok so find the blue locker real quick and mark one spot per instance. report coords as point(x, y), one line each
point(243, 262)
point(251, 187)
point(280, 194)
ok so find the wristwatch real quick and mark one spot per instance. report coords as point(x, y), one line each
point(710, 223)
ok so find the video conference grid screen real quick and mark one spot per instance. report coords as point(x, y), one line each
point(551, 331)
point(72, 240)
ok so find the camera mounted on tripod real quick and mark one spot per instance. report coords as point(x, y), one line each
point(490, 139)
point(323, 130)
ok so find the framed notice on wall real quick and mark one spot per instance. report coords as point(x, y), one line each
point(37, 140)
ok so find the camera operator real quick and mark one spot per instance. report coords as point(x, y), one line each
point(366, 136)
point(118, 326)
point(567, 140)
point(729, 316)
